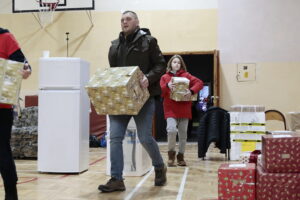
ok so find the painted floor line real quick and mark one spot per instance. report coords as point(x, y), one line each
point(180, 192)
point(130, 195)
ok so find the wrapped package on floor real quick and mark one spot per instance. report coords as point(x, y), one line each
point(136, 159)
point(181, 87)
point(10, 81)
point(236, 181)
point(117, 91)
point(272, 186)
point(281, 153)
point(247, 125)
point(245, 157)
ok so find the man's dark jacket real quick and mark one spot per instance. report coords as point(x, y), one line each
point(139, 49)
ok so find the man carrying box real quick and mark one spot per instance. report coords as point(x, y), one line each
point(135, 47)
point(9, 49)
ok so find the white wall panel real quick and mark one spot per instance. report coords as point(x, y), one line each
point(259, 31)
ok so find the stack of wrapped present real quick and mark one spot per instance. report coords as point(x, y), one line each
point(180, 89)
point(278, 175)
point(247, 125)
point(10, 81)
point(24, 137)
point(117, 91)
point(236, 181)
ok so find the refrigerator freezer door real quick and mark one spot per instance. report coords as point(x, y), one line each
point(63, 73)
point(63, 127)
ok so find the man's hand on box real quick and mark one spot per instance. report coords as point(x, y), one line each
point(26, 71)
point(144, 82)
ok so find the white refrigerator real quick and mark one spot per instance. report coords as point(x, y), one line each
point(63, 117)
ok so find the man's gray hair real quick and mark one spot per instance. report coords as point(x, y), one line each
point(131, 12)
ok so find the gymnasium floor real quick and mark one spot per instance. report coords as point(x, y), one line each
point(197, 181)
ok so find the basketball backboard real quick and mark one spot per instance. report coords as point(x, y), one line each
point(20, 6)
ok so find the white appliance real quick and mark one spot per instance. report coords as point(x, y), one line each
point(63, 118)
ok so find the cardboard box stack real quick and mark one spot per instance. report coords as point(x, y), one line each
point(236, 181)
point(247, 125)
point(117, 91)
point(278, 175)
point(10, 81)
point(181, 85)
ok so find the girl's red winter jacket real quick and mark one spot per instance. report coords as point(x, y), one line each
point(178, 109)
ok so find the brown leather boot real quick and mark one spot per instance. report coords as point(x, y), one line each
point(160, 176)
point(171, 161)
point(180, 160)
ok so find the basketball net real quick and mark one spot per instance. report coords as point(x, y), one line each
point(46, 11)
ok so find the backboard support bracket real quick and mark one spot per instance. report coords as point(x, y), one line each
point(88, 12)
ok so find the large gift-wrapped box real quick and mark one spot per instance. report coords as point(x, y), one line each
point(10, 81)
point(236, 181)
point(117, 91)
point(272, 186)
point(181, 87)
point(281, 153)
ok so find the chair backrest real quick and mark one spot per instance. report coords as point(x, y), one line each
point(275, 115)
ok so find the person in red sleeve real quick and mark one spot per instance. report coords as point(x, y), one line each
point(177, 113)
point(9, 49)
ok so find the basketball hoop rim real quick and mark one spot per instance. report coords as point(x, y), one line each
point(52, 4)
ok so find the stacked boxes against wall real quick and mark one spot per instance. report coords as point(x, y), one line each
point(278, 175)
point(117, 91)
point(236, 181)
point(247, 125)
point(10, 81)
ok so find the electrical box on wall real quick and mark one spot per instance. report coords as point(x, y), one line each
point(246, 72)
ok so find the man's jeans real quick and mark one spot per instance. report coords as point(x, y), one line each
point(118, 126)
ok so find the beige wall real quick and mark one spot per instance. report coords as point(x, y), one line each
point(276, 86)
point(176, 30)
point(190, 30)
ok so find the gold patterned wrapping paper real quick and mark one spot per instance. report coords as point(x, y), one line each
point(117, 91)
point(181, 85)
point(10, 81)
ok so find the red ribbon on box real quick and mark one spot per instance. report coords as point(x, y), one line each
point(253, 156)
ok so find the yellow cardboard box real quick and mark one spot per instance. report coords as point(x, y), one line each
point(117, 91)
point(10, 81)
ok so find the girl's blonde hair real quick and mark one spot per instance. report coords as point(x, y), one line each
point(169, 65)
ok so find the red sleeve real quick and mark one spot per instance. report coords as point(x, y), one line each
point(11, 43)
point(195, 83)
point(165, 91)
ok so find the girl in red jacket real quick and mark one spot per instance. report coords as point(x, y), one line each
point(177, 113)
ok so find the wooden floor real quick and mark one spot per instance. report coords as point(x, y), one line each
point(197, 181)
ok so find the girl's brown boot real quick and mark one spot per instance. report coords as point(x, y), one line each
point(171, 160)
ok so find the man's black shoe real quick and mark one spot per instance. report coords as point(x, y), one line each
point(112, 185)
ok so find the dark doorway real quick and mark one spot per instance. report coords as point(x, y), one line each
point(202, 66)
